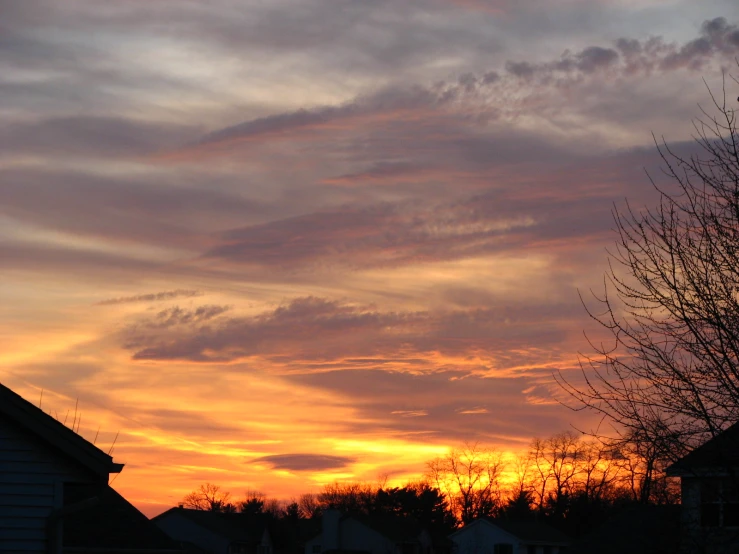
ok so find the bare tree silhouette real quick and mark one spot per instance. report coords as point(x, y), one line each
point(668, 376)
point(209, 497)
point(469, 477)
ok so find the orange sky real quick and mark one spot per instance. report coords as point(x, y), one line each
point(270, 248)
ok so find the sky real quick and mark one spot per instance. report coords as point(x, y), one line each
point(274, 244)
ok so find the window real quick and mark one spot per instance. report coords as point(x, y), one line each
point(503, 548)
point(719, 502)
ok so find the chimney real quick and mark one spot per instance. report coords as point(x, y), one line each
point(331, 539)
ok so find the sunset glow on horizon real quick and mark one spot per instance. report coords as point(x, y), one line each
point(272, 245)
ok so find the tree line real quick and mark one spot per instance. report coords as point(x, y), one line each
point(566, 479)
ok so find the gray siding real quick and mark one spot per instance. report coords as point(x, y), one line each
point(31, 475)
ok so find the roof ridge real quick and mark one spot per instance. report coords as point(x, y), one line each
point(54, 432)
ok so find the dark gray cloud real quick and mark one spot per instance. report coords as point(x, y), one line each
point(589, 60)
point(305, 462)
point(151, 297)
point(718, 38)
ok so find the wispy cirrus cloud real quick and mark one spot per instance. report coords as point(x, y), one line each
point(151, 297)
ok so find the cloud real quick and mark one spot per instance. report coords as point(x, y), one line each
point(393, 220)
point(191, 335)
point(474, 411)
point(512, 92)
point(374, 235)
point(152, 297)
point(92, 136)
point(499, 220)
point(589, 60)
point(312, 334)
point(305, 462)
point(718, 39)
point(147, 208)
point(443, 405)
point(387, 104)
point(410, 413)
point(172, 317)
point(385, 173)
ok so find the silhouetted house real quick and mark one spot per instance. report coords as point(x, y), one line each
point(484, 536)
point(54, 493)
point(290, 535)
point(637, 529)
point(113, 526)
point(215, 532)
point(373, 535)
point(709, 479)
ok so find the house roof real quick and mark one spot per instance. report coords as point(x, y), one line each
point(233, 527)
point(112, 523)
point(532, 532)
point(55, 433)
point(722, 451)
point(397, 529)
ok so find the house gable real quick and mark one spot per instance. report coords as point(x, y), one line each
point(482, 536)
point(215, 532)
point(183, 530)
point(356, 535)
point(370, 534)
point(31, 487)
point(36, 422)
point(715, 456)
point(38, 456)
point(709, 483)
